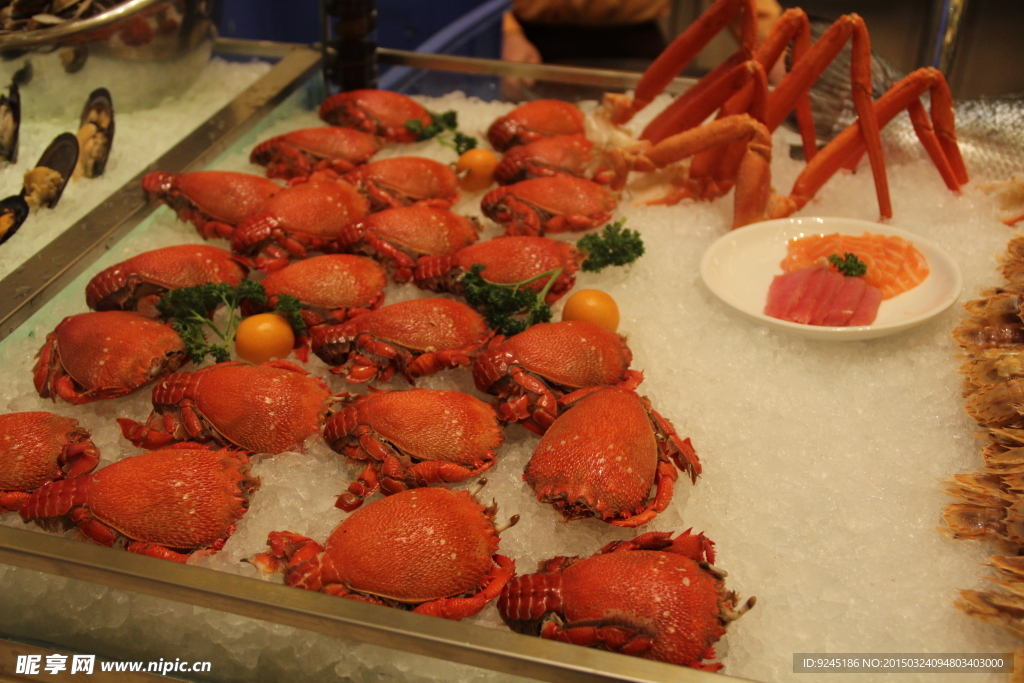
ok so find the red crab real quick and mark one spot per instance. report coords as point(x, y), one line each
point(416, 337)
point(532, 370)
point(138, 283)
point(39, 447)
point(559, 155)
point(401, 181)
point(307, 216)
point(555, 204)
point(301, 152)
point(401, 234)
point(430, 550)
point(604, 454)
point(182, 498)
point(506, 261)
point(534, 120)
point(106, 354)
point(413, 438)
point(214, 201)
point(380, 112)
point(328, 287)
point(268, 408)
point(651, 597)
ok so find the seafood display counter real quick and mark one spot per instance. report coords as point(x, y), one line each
point(822, 461)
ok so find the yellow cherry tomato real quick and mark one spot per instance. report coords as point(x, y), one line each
point(260, 338)
point(479, 165)
point(593, 306)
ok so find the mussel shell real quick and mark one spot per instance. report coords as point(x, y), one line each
point(10, 124)
point(61, 156)
point(100, 100)
point(17, 209)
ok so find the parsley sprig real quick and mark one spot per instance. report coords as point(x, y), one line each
point(444, 128)
point(849, 265)
point(512, 308)
point(191, 309)
point(614, 246)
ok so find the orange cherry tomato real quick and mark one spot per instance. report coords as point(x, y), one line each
point(262, 337)
point(479, 165)
point(592, 305)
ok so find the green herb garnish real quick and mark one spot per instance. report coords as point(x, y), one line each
point(614, 246)
point(849, 265)
point(444, 128)
point(190, 310)
point(509, 309)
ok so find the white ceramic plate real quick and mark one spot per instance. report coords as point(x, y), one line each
point(739, 267)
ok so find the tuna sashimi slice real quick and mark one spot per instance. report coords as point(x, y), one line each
point(829, 290)
point(867, 309)
point(786, 290)
point(803, 311)
point(845, 302)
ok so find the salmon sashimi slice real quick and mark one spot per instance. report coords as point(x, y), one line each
point(894, 264)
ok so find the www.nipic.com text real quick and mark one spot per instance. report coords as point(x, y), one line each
point(86, 664)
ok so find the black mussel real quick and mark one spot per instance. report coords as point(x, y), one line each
point(45, 183)
point(10, 123)
point(13, 212)
point(96, 134)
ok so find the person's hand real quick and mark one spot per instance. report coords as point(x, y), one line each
point(515, 47)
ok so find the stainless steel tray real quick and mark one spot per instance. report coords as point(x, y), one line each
point(49, 272)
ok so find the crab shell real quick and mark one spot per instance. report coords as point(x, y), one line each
point(560, 155)
point(329, 287)
point(268, 408)
point(402, 234)
point(554, 204)
point(415, 337)
point(380, 112)
point(506, 261)
point(106, 354)
point(603, 456)
point(530, 371)
point(401, 181)
point(181, 498)
point(533, 121)
point(300, 218)
point(138, 283)
point(413, 438)
point(651, 597)
point(301, 152)
point(40, 447)
point(423, 549)
point(214, 201)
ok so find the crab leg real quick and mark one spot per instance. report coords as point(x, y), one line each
point(723, 163)
point(746, 80)
point(682, 51)
point(460, 608)
point(806, 72)
point(938, 136)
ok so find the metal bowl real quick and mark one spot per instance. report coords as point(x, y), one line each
point(142, 50)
